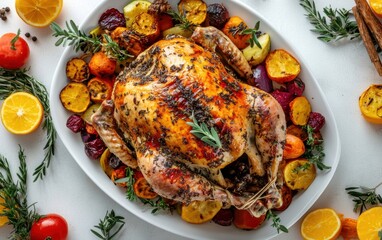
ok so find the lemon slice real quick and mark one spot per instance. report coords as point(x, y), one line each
point(200, 211)
point(321, 224)
point(369, 224)
point(38, 13)
point(21, 113)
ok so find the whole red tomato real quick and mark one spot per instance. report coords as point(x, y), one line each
point(49, 227)
point(13, 55)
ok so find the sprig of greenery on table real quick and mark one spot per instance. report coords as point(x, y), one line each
point(72, 36)
point(19, 80)
point(109, 226)
point(276, 222)
point(336, 24)
point(364, 197)
point(20, 214)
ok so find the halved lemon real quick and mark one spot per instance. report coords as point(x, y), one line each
point(38, 13)
point(369, 224)
point(321, 224)
point(21, 113)
point(200, 211)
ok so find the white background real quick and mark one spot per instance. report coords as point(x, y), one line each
point(343, 70)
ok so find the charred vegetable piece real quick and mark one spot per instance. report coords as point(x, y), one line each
point(111, 19)
point(299, 174)
point(101, 65)
point(243, 219)
point(94, 148)
point(133, 9)
point(194, 10)
point(316, 121)
point(87, 137)
point(234, 28)
point(100, 89)
point(165, 22)
point(281, 66)
point(300, 110)
point(256, 55)
point(129, 40)
point(143, 189)
point(294, 147)
point(87, 115)
point(296, 87)
point(90, 129)
point(224, 217)
point(370, 103)
point(287, 196)
point(75, 123)
point(77, 70)
point(261, 79)
point(297, 131)
point(284, 98)
point(200, 211)
point(146, 25)
point(119, 173)
point(75, 97)
point(217, 15)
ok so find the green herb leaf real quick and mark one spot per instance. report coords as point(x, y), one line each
point(209, 136)
point(364, 197)
point(254, 32)
point(314, 151)
point(181, 20)
point(276, 222)
point(108, 224)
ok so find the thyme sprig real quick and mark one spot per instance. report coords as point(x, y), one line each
point(72, 36)
point(19, 80)
point(20, 214)
point(209, 136)
point(364, 197)
point(276, 222)
point(336, 24)
point(109, 226)
point(314, 151)
point(181, 20)
point(254, 32)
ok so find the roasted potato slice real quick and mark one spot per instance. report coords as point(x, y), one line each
point(256, 55)
point(300, 110)
point(129, 40)
point(101, 65)
point(100, 89)
point(370, 104)
point(147, 25)
point(194, 10)
point(294, 147)
point(281, 66)
point(234, 28)
point(77, 70)
point(75, 97)
point(133, 9)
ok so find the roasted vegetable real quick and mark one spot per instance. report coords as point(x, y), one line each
point(234, 28)
point(261, 79)
point(217, 15)
point(119, 173)
point(111, 19)
point(281, 66)
point(87, 115)
point(77, 70)
point(244, 220)
point(177, 30)
point(129, 40)
point(299, 174)
point(75, 97)
point(256, 55)
point(195, 11)
point(294, 147)
point(224, 217)
point(300, 110)
point(143, 189)
point(287, 196)
point(104, 162)
point(284, 98)
point(200, 211)
point(75, 123)
point(100, 89)
point(133, 9)
point(101, 65)
point(297, 131)
point(147, 25)
point(370, 103)
point(296, 87)
point(316, 121)
point(165, 22)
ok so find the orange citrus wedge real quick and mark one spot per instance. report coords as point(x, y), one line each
point(38, 13)
point(200, 211)
point(21, 113)
point(299, 174)
point(369, 224)
point(321, 224)
point(376, 6)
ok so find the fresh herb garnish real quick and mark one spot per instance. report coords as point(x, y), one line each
point(276, 222)
point(254, 33)
point(18, 80)
point(314, 151)
point(107, 224)
point(302, 167)
point(157, 205)
point(338, 26)
point(364, 197)
point(14, 40)
point(209, 136)
point(20, 214)
point(181, 20)
point(72, 36)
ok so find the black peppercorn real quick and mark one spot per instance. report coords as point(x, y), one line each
point(2, 12)
point(4, 18)
point(7, 9)
point(27, 34)
point(34, 38)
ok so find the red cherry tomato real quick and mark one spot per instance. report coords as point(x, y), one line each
point(243, 219)
point(13, 56)
point(287, 196)
point(50, 226)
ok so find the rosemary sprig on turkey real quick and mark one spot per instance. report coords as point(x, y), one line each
point(209, 136)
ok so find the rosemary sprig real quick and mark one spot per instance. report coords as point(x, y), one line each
point(254, 32)
point(338, 26)
point(19, 80)
point(181, 20)
point(315, 151)
point(276, 222)
point(72, 36)
point(107, 224)
point(364, 197)
point(20, 215)
point(209, 136)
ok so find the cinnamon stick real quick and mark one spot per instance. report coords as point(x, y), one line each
point(368, 41)
point(370, 19)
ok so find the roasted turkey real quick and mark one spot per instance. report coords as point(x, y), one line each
point(178, 81)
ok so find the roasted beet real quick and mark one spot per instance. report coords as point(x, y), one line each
point(217, 15)
point(224, 217)
point(111, 19)
point(296, 87)
point(94, 148)
point(75, 123)
point(261, 79)
point(87, 137)
point(316, 121)
point(284, 98)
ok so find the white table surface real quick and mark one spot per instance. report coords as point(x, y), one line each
point(343, 70)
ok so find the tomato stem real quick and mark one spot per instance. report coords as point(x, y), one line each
point(14, 40)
